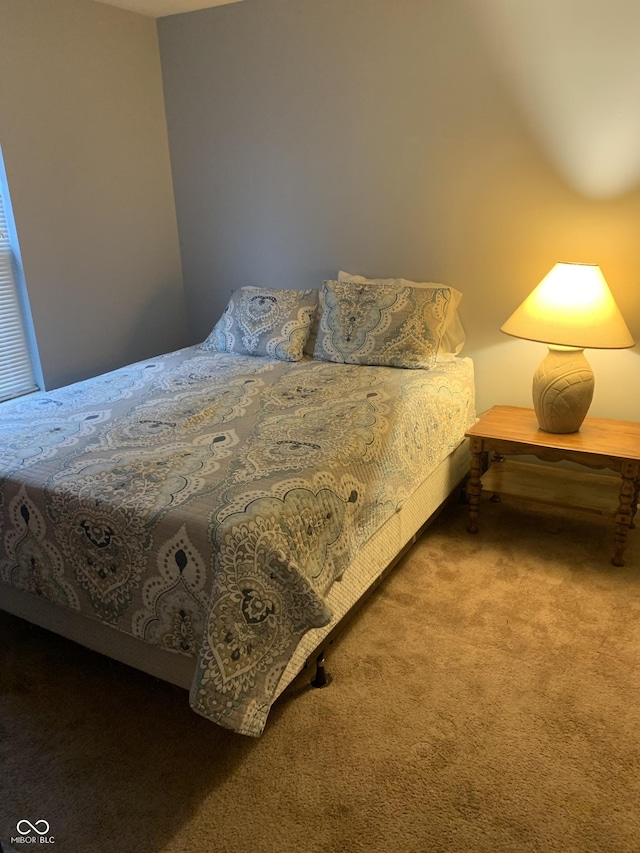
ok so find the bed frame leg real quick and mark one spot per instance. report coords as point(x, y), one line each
point(321, 678)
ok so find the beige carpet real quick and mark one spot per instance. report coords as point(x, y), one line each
point(487, 699)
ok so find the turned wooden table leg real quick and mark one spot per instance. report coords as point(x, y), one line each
point(474, 486)
point(626, 509)
point(634, 503)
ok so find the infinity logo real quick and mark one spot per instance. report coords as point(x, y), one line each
point(33, 827)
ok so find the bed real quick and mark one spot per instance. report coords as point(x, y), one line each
point(210, 515)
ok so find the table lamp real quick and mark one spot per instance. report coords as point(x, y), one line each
point(572, 308)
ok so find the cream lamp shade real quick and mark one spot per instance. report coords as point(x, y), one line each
point(572, 308)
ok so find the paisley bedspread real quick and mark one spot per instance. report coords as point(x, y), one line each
point(206, 502)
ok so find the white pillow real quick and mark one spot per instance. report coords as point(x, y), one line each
point(453, 334)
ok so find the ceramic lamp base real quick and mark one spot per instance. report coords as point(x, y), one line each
point(562, 390)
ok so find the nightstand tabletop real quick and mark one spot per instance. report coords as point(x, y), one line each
point(602, 436)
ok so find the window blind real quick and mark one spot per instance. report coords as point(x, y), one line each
point(16, 368)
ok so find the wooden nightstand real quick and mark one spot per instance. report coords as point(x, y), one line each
point(600, 443)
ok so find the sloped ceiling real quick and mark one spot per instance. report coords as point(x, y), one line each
point(160, 8)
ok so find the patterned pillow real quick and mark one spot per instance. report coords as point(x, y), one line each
point(381, 324)
point(453, 335)
point(260, 321)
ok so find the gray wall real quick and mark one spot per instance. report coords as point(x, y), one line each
point(415, 138)
point(83, 133)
